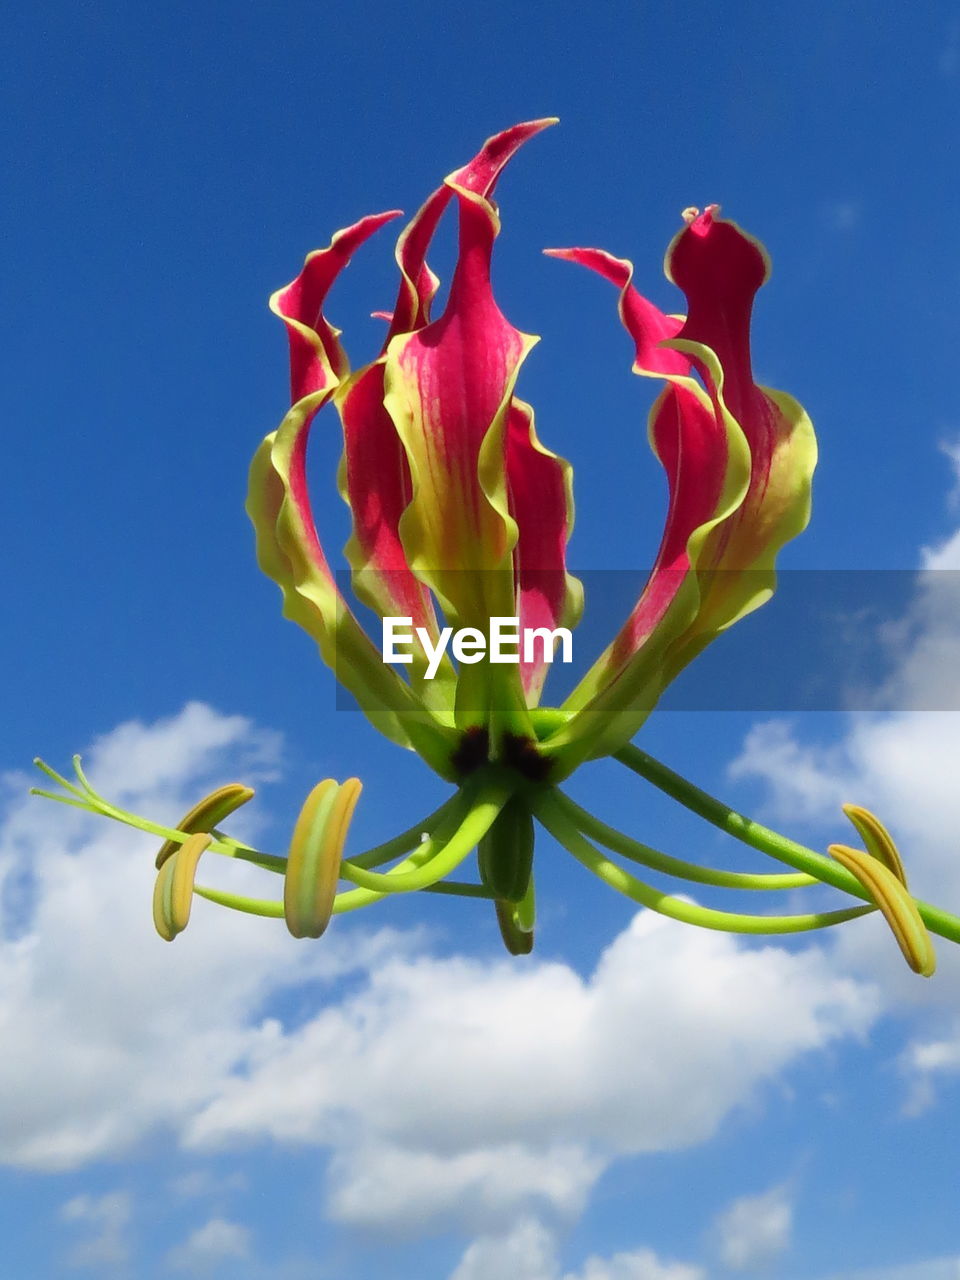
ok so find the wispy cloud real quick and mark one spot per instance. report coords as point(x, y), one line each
point(106, 1219)
point(673, 1030)
point(217, 1241)
point(902, 764)
point(929, 1269)
point(529, 1252)
point(754, 1230)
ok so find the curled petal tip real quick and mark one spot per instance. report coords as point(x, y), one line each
point(377, 220)
point(530, 127)
point(700, 223)
point(618, 271)
point(573, 254)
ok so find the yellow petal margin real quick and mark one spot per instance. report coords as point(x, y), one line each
point(620, 690)
point(289, 552)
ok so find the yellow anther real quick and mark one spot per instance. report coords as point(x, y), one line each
point(173, 891)
point(877, 839)
point(315, 854)
point(899, 910)
point(206, 815)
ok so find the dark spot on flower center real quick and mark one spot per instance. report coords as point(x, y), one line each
point(523, 754)
point(473, 750)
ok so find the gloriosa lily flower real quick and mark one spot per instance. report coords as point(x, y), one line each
point(460, 516)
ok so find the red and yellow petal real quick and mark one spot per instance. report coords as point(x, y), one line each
point(707, 465)
point(289, 551)
point(540, 497)
point(418, 284)
point(738, 458)
point(449, 388)
point(374, 481)
point(375, 475)
point(720, 268)
point(317, 360)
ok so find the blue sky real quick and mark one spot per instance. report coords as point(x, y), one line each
point(637, 1101)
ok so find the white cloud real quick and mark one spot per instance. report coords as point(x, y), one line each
point(805, 781)
point(641, 1264)
point(950, 448)
point(202, 1182)
point(943, 555)
point(380, 1185)
point(901, 764)
point(93, 1005)
point(543, 1076)
point(529, 1252)
point(446, 1090)
point(931, 1269)
point(107, 1217)
point(205, 1248)
point(755, 1230)
point(924, 1062)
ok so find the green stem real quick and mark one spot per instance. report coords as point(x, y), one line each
point(443, 856)
point(236, 902)
point(354, 899)
point(553, 817)
point(767, 841)
point(92, 802)
point(226, 847)
point(657, 861)
point(343, 902)
point(410, 838)
point(461, 889)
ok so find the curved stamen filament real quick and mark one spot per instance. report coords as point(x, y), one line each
point(92, 802)
point(623, 844)
point(436, 857)
point(443, 822)
point(221, 844)
point(56, 777)
point(554, 819)
point(237, 902)
point(763, 838)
